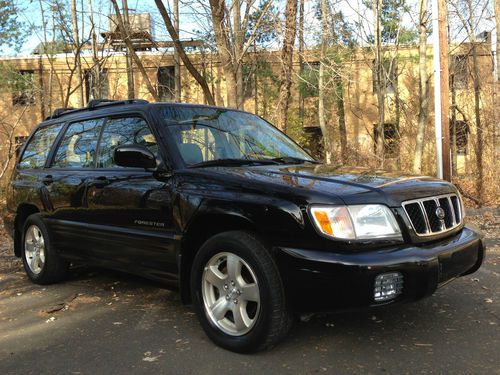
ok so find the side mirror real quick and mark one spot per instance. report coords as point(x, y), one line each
point(134, 156)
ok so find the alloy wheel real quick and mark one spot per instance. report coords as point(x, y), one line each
point(34, 248)
point(230, 293)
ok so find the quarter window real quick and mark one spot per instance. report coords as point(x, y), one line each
point(38, 148)
point(124, 131)
point(78, 146)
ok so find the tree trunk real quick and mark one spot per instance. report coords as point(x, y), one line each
point(177, 61)
point(238, 52)
point(301, 58)
point(321, 85)
point(96, 68)
point(185, 58)
point(287, 63)
point(497, 23)
point(423, 94)
point(131, 50)
point(77, 48)
point(219, 11)
point(341, 113)
point(477, 112)
point(256, 79)
point(379, 81)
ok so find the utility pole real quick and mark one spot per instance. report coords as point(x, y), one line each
point(128, 57)
point(441, 89)
point(177, 61)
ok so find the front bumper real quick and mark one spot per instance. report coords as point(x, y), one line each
point(326, 281)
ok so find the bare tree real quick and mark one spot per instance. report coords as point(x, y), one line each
point(423, 92)
point(127, 39)
point(470, 13)
point(497, 23)
point(321, 83)
point(287, 63)
point(77, 49)
point(301, 58)
point(182, 54)
point(7, 131)
point(378, 71)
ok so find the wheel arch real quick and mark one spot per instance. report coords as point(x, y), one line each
point(24, 210)
point(197, 233)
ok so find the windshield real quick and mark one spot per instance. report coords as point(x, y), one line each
point(207, 135)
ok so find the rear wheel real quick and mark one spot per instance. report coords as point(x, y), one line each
point(41, 263)
point(238, 294)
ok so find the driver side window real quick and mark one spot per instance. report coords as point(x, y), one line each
point(124, 131)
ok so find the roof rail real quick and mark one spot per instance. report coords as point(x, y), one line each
point(94, 104)
point(105, 102)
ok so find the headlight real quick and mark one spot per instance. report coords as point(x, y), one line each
point(356, 222)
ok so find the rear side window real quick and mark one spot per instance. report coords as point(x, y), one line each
point(78, 146)
point(124, 131)
point(38, 148)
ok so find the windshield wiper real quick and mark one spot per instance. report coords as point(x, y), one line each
point(232, 162)
point(293, 160)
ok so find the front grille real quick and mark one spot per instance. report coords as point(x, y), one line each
point(434, 215)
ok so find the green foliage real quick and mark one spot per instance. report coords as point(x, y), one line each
point(391, 16)
point(11, 80)
point(12, 30)
point(266, 29)
point(393, 32)
point(53, 48)
point(308, 82)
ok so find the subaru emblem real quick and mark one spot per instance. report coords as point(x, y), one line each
point(440, 213)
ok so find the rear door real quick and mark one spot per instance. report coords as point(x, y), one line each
point(26, 181)
point(130, 211)
point(64, 189)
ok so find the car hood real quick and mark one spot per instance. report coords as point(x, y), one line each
point(318, 183)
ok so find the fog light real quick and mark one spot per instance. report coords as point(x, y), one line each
point(388, 286)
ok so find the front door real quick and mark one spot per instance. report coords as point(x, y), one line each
point(130, 211)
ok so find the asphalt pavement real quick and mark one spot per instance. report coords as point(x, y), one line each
point(104, 322)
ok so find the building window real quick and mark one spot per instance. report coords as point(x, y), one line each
point(24, 88)
point(389, 76)
point(309, 79)
point(248, 81)
point(166, 83)
point(391, 140)
point(96, 85)
point(459, 134)
point(459, 71)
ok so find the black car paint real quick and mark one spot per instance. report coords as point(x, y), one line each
point(146, 221)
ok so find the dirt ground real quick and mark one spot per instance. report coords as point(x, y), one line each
point(103, 322)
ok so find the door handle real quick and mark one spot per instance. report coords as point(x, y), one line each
point(99, 182)
point(47, 180)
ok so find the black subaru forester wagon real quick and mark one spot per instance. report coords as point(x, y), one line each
point(222, 205)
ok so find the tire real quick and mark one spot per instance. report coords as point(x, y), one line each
point(41, 262)
point(250, 314)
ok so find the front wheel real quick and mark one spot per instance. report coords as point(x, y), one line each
point(238, 293)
